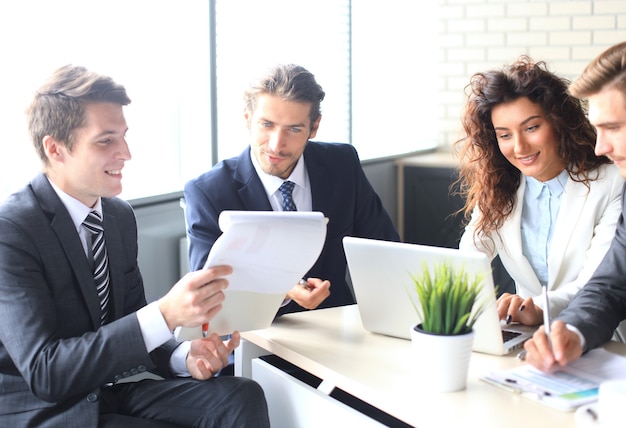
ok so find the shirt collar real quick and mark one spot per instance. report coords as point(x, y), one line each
point(77, 210)
point(271, 183)
point(555, 185)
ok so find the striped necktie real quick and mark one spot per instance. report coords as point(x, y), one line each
point(286, 189)
point(93, 223)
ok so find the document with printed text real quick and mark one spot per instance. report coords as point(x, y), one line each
point(575, 385)
point(269, 252)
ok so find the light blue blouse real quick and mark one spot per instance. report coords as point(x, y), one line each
point(542, 201)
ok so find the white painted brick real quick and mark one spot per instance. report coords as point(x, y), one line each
point(485, 11)
point(466, 25)
point(526, 38)
point(610, 7)
point(454, 126)
point(570, 7)
point(609, 37)
point(506, 55)
point(450, 97)
point(593, 22)
point(586, 53)
point(467, 2)
point(450, 40)
point(491, 2)
point(440, 56)
point(565, 34)
point(456, 83)
point(475, 67)
point(441, 111)
point(507, 24)
point(569, 38)
point(456, 110)
point(569, 69)
point(526, 9)
point(451, 69)
point(465, 54)
point(554, 23)
point(485, 39)
point(440, 26)
point(547, 53)
point(448, 12)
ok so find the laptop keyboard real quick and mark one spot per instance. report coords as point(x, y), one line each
point(509, 335)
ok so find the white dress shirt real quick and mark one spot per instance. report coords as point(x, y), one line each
point(151, 322)
point(301, 192)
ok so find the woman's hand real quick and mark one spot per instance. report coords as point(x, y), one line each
point(512, 308)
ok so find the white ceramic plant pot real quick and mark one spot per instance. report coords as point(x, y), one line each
point(441, 362)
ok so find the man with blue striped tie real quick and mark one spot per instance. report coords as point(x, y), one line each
point(282, 112)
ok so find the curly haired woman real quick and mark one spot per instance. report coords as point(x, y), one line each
point(536, 194)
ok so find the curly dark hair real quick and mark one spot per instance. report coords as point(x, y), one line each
point(487, 180)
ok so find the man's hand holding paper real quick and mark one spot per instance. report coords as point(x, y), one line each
point(269, 252)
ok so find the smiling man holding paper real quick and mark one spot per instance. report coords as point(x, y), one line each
point(73, 315)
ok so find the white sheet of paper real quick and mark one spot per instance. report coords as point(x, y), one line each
point(269, 252)
point(575, 385)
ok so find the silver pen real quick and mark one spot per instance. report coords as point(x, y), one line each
point(303, 282)
point(546, 312)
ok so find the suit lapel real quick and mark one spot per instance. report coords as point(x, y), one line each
point(63, 227)
point(115, 251)
point(511, 229)
point(321, 187)
point(572, 201)
point(251, 192)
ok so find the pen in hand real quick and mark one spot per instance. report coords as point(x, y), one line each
point(304, 284)
point(546, 313)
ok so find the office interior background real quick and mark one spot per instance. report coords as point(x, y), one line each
point(394, 73)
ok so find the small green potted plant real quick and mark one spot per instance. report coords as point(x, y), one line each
point(445, 300)
point(448, 303)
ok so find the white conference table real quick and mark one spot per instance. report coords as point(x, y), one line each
point(332, 345)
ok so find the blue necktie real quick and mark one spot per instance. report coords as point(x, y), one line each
point(93, 223)
point(286, 189)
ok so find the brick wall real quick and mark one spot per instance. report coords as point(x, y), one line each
point(478, 35)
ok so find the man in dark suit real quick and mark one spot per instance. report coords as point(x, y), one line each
point(597, 309)
point(73, 322)
point(282, 111)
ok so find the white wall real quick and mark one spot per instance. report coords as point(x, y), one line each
point(478, 35)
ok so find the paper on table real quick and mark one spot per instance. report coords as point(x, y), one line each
point(269, 252)
point(575, 385)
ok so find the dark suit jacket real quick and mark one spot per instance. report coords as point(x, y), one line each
point(600, 305)
point(54, 355)
point(339, 189)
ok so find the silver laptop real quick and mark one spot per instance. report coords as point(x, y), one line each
point(380, 272)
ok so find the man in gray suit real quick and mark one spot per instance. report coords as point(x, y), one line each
point(600, 305)
point(68, 335)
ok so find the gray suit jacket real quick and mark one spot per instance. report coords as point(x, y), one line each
point(54, 355)
point(600, 305)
